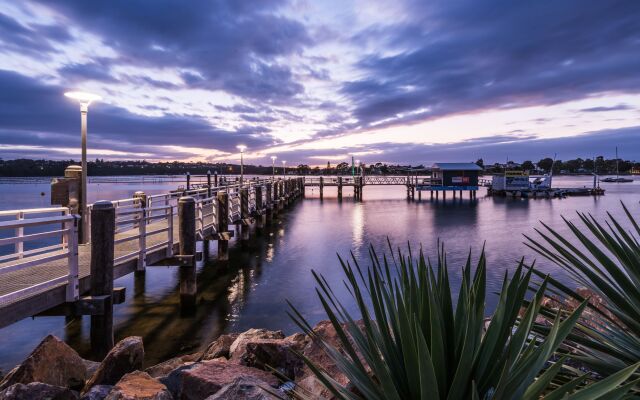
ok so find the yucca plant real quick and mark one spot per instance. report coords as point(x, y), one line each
point(416, 342)
point(605, 259)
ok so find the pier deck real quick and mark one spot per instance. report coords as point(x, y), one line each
point(45, 276)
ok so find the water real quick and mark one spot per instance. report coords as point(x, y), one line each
point(251, 289)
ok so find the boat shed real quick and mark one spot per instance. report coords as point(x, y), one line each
point(455, 176)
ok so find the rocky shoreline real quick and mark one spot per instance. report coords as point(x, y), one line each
point(257, 364)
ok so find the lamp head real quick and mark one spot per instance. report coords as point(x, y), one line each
point(241, 147)
point(273, 158)
point(83, 97)
point(284, 161)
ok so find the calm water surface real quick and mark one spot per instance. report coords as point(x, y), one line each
point(250, 290)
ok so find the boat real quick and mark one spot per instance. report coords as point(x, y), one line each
point(618, 178)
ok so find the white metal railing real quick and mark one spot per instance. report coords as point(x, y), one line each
point(62, 227)
point(141, 227)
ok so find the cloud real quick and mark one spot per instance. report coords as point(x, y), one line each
point(619, 107)
point(232, 45)
point(33, 113)
point(469, 55)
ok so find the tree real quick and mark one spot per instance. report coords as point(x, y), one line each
point(528, 165)
point(480, 162)
point(545, 164)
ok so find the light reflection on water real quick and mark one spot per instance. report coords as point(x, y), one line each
point(250, 290)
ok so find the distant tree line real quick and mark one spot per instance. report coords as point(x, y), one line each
point(98, 167)
point(576, 166)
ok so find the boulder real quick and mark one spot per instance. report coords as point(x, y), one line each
point(164, 368)
point(268, 354)
point(219, 347)
point(98, 392)
point(238, 347)
point(306, 379)
point(126, 356)
point(91, 366)
point(52, 362)
point(37, 390)
point(204, 378)
point(139, 385)
point(247, 388)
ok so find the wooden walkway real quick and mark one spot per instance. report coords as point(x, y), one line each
point(32, 281)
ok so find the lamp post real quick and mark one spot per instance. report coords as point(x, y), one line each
point(284, 168)
point(273, 167)
point(242, 148)
point(358, 165)
point(84, 99)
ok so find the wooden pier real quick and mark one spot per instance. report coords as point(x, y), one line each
point(47, 272)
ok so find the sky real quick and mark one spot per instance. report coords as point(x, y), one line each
point(317, 81)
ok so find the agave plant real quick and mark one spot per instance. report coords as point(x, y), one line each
point(605, 259)
point(417, 341)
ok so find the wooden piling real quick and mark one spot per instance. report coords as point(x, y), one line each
point(260, 209)
point(244, 213)
point(103, 225)
point(340, 188)
point(269, 204)
point(321, 187)
point(142, 232)
point(215, 179)
point(223, 225)
point(208, 183)
point(187, 235)
point(188, 180)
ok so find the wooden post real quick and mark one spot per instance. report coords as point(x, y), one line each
point(142, 232)
point(259, 208)
point(103, 225)
point(187, 236)
point(188, 180)
point(223, 225)
point(419, 195)
point(340, 188)
point(244, 213)
point(454, 194)
point(444, 194)
point(321, 187)
point(269, 204)
point(303, 188)
point(208, 183)
point(437, 194)
point(280, 195)
point(215, 179)
point(431, 193)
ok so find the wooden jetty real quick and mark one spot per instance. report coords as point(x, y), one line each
point(47, 271)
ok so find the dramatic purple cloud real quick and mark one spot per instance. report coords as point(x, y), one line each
point(191, 80)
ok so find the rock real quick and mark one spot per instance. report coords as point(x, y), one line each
point(52, 362)
point(37, 390)
point(270, 354)
point(139, 385)
point(98, 392)
point(306, 379)
point(202, 379)
point(247, 388)
point(91, 366)
point(164, 368)
point(219, 347)
point(237, 348)
point(126, 356)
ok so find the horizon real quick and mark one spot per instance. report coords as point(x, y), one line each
point(318, 82)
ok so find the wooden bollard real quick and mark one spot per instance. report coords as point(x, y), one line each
point(142, 231)
point(223, 225)
point(280, 198)
point(244, 213)
point(187, 236)
point(188, 180)
point(340, 188)
point(321, 188)
point(208, 183)
point(259, 208)
point(215, 179)
point(268, 205)
point(103, 226)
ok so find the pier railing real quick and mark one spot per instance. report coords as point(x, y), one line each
point(61, 228)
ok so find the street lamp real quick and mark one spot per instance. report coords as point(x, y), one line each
point(284, 168)
point(85, 99)
point(242, 148)
point(273, 167)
